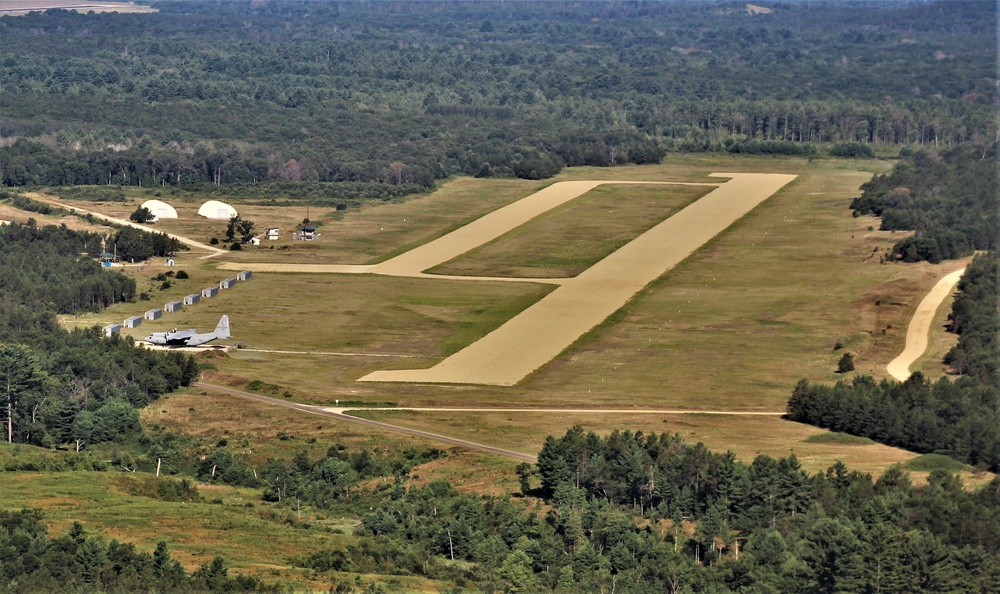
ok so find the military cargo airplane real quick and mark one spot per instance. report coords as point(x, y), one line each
point(191, 337)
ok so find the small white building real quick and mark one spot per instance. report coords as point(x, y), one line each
point(112, 329)
point(133, 321)
point(153, 314)
point(227, 283)
point(192, 299)
point(173, 306)
point(209, 292)
point(245, 275)
point(272, 233)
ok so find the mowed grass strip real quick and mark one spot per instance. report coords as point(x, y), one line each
point(939, 342)
point(377, 231)
point(570, 238)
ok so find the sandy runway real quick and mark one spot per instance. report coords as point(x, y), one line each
point(538, 334)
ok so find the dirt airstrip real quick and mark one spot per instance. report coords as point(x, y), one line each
point(541, 332)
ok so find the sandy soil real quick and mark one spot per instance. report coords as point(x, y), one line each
point(920, 326)
point(541, 332)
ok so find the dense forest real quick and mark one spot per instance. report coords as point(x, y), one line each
point(649, 513)
point(396, 95)
point(957, 418)
point(949, 200)
point(629, 512)
point(76, 387)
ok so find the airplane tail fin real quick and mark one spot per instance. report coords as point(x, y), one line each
point(222, 329)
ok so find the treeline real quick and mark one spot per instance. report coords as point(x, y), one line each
point(956, 418)
point(78, 561)
point(959, 418)
point(76, 387)
point(136, 245)
point(949, 200)
point(975, 317)
point(647, 513)
point(630, 512)
point(406, 93)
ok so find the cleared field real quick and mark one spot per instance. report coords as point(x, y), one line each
point(536, 336)
point(196, 532)
point(733, 327)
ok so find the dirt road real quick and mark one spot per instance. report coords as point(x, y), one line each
point(341, 414)
point(920, 326)
point(334, 414)
point(212, 252)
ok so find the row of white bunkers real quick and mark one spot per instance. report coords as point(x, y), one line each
point(175, 306)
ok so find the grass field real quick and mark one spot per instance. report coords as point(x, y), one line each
point(253, 539)
point(732, 328)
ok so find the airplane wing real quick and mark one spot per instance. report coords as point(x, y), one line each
point(180, 338)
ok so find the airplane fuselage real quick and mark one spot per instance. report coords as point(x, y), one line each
point(190, 337)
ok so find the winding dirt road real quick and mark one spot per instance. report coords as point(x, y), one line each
point(212, 251)
point(920, 326)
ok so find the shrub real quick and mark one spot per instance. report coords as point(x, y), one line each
point(852, 149)
point(846, 363)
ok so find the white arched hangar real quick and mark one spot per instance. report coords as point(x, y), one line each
point(213, 209)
